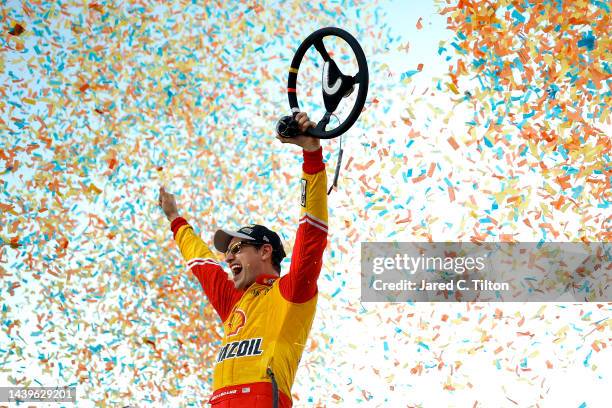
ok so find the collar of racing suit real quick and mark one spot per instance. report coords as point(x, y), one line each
point(266, 279)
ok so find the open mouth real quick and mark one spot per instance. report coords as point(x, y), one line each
point(236, 269)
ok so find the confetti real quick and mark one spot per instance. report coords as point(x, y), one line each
point(105, 101)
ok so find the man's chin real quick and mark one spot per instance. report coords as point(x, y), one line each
point(238, 282)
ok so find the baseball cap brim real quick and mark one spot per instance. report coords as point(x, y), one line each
point(223, 238)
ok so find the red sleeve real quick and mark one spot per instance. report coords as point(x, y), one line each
point(300, 284)
point(215, 282)
point(218, 288)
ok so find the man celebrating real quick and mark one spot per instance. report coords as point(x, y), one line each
point(266, 318)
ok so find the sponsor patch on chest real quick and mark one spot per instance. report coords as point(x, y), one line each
point(242, 348)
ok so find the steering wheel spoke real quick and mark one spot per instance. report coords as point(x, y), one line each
point(358, 78)
point(320, 47)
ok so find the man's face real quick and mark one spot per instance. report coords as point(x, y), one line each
point(246, 264)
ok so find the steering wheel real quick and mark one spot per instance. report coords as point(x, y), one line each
point(336, 86)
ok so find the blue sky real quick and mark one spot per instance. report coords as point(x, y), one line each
point(402, 16)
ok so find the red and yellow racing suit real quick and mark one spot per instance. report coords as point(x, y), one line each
point(266, 325)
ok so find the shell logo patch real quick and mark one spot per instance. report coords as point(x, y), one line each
point(237, 321)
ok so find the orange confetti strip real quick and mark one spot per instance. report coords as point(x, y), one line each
point(451, 194)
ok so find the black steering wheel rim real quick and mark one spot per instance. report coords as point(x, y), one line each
point(361, 78)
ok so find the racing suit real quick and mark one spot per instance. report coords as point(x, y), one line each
point(265, 326)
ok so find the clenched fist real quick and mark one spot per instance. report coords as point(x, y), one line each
point(167, 203)
point(306, 142)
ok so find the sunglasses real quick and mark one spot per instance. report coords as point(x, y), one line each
point(234, 249)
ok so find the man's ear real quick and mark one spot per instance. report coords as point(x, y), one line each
point(267, 251)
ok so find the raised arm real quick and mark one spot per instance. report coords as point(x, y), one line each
point(300, 284)
point(218, 288)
